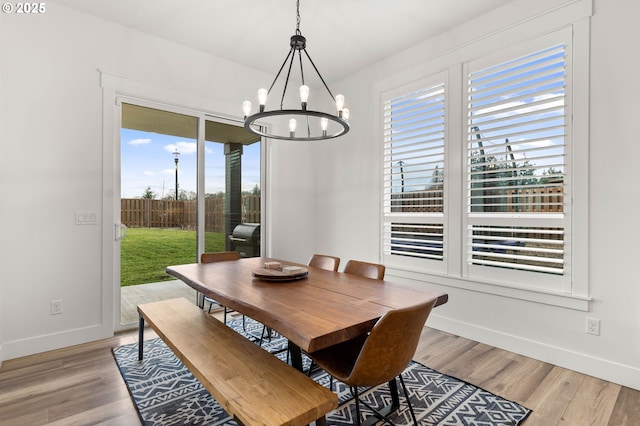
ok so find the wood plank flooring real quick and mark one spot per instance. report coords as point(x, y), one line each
point(81, 385)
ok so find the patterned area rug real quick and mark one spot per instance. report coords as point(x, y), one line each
point(165, 392)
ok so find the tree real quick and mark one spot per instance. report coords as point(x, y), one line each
point(552, 175)
point(148, 194)
point(437, 180)
point(182, 195)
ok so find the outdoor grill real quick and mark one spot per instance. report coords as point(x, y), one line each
point(246, 238)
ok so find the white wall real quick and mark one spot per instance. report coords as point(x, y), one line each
point(51, 106)
point(348, 204)
point(291, 215)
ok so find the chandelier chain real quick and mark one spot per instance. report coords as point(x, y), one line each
point(298, 17)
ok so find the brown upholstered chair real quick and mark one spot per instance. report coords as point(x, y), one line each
point(380, 356)
point(365, 269)
point(322, 261)
point(355, 267)
point(220, 256)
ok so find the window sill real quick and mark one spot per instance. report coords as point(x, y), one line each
point(564, 300)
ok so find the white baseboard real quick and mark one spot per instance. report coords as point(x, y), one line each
point(44, 343)
point(583, 363)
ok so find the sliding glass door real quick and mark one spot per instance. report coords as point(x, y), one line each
point(186, 182)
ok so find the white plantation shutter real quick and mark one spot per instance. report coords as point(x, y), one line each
point(414, 148)
point(485, 168)
point(517, 167)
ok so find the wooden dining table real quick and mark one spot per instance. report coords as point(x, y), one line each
point(313, 312)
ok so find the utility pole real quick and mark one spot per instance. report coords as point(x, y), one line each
point(401, 164)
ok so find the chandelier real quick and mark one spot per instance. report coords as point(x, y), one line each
point(301, 124)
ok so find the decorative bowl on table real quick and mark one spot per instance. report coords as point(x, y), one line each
point(273, 272)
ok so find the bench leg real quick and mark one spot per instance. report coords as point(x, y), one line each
point(322, 421)
point(140, 338)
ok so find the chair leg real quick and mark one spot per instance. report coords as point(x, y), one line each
point(266, 333)
point(354, 391)
point(261, 337)
point(406, 395)
point(380, 415)
point(376, 415)
point(311, 367)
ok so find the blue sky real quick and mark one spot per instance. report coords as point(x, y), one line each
point(147, 160)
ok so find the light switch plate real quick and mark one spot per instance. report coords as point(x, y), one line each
point(86, 218)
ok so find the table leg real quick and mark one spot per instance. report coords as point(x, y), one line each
point(395, 398)
point(296, 356)
point(140, 338)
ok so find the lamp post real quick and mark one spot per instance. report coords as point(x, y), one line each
point(176, 154)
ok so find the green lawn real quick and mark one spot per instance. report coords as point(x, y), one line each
point(146, 252)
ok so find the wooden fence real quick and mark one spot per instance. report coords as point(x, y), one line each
point(527, 200)
point(144, 213)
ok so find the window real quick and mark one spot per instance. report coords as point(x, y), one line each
point(516, 165)
point(414, 149)
point(494, 204)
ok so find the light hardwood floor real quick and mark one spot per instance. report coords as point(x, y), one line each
point(81, 385)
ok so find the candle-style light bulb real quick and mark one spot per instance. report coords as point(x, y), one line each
point(304, 96)
point(345, 113)
point(246, 107)
point(262, 98)
point(324, 123)
point(292, 127)
point(339, 102)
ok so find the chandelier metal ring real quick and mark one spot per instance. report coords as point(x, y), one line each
point(253, 125)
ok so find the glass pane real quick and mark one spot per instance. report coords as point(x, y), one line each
point(415, 240)
point(414, 151)
point(232, 189)
point(157, 204)
point(516, 135)
point(512, 247)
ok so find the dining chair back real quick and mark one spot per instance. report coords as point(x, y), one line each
point(322, 261)
point(222, 256)
point(219, 256)
point(365, 269)
point(380, 356)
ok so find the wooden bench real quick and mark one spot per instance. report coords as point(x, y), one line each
point(250, 384)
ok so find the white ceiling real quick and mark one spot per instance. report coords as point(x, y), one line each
point(343, 36)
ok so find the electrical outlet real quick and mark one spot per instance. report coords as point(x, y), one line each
point(593, 326)
point(56, 307)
